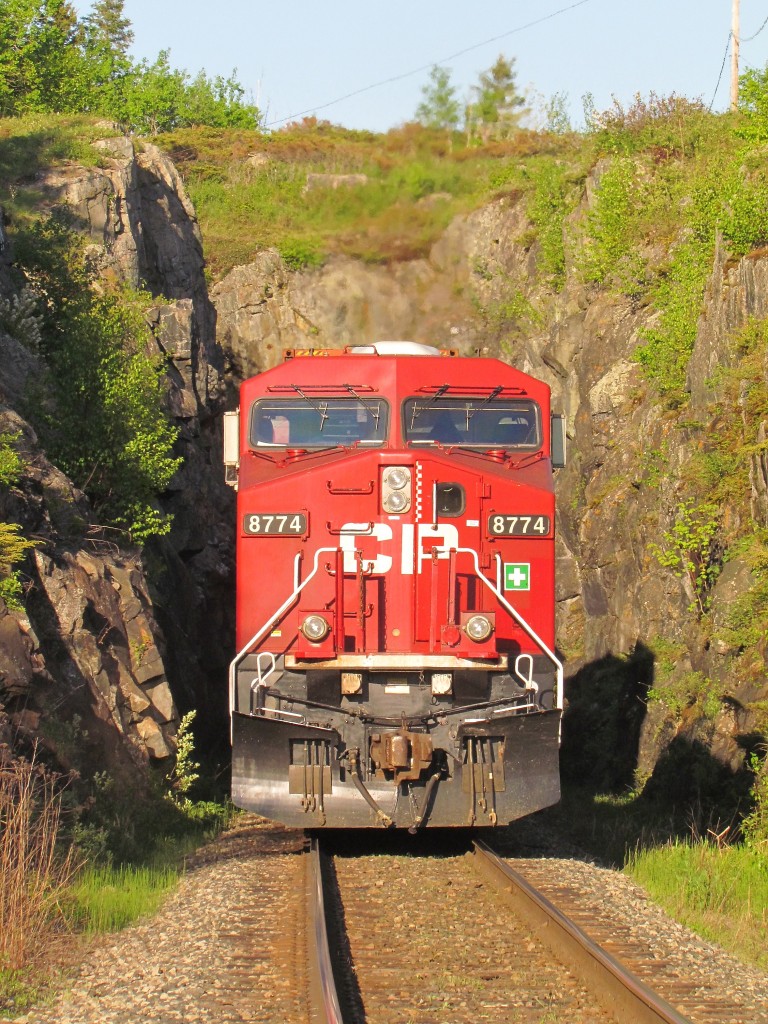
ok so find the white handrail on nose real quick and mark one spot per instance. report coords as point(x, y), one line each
point(297, 589)
point(521, 622)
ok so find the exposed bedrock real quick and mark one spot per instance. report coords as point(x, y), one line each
point(104, 643)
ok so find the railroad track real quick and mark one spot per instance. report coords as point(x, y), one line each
point(405, 946)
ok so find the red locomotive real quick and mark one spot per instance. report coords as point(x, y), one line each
point(395, 590)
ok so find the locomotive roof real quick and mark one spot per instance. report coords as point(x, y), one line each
point(395, 366)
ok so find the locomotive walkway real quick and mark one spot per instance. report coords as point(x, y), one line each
point(231, 945)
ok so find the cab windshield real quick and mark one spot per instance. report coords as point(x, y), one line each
point(476, 422)
point(310, 422)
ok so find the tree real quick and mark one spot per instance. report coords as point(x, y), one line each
point(497, 107)
point(107, 25)
point(52, 63)
point(160, 98)
point(154, 96)
point(439, 107)
point(218, 102)
point(107, 37)
point(40, 57)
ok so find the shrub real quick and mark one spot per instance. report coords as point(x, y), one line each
point(669, 124)
point(610, 225)
point(548, 205)
point(13, 546)
point(100, 409)
point(689, 548)
point(678, 294)
point(184, 773)
point(753, 105)
point(300, 254)
point(755, 825)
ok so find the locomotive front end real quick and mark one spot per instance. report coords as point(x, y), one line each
point(396, 660)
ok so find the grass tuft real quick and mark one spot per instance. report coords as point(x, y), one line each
point(33, 874)
point(105, 899)
point(719, 892)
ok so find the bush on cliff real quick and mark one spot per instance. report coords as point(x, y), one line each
point(13, 545)
point(100, 407)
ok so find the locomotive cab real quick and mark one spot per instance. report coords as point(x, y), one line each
point(395, 591)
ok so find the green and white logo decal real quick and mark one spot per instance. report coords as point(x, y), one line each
point(517, 575)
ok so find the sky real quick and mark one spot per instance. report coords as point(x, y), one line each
point(301, 57)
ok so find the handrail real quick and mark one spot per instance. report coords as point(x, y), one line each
point(297, 589)
point(299, 586)
point(523, 625)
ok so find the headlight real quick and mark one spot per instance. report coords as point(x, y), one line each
point(396, 478)
point(478, 628)
point(315, 628)
point(396, 489)
point(396, 502)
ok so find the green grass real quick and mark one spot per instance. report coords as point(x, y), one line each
point(18, 990)
point(720, 893)
point(244, 208)
point(105, 899)
point(40, 141)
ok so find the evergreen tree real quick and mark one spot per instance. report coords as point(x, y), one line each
point(497, 107)
point(108, 36)
point(106, 24)
point(439, 107)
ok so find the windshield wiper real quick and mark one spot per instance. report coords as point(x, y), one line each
point(494, 394)
point(417, 410)
point(322, 412)
point(374, 414)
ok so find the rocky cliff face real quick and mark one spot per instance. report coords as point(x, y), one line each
point(99, 645)
point(263, 308)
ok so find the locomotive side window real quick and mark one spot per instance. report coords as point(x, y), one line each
point(477, 422)
point(318, 422)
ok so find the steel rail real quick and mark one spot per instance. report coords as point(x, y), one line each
point(621, 993)
point(324, 1001)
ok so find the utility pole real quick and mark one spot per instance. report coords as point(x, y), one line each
point(735, 55)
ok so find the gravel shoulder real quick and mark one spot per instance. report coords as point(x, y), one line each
point(225, 945)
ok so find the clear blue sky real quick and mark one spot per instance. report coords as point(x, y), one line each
point(301, 55)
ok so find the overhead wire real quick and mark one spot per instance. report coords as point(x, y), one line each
point(722, 68)
point(426, 67)
point(748, 39)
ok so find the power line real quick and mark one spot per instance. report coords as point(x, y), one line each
point(722, 68)
point(426, 67)
point(750, 38)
